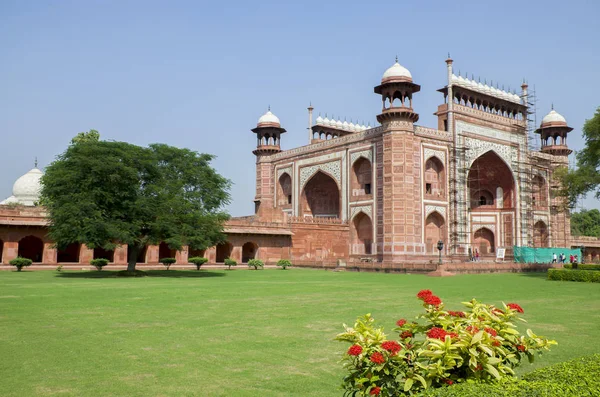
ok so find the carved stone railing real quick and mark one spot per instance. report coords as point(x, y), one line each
point(432, 133)
point(316, 220)
point(496, 118)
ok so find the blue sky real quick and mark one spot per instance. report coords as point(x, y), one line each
point(199, 74)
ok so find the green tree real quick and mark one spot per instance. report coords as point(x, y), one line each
point(108, 193)
point(586, 223)
point(586, 178)
point(90, 136)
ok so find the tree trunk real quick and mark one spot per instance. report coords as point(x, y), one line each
point(132, 254)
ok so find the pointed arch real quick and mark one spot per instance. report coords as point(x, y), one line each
point(361, 234)
point(541, 235)
point(31, 247)
point(284, 189)
point(321, 197)
point(435, 230)
point(361, 177)
point(484, 241)
point(435, 177)
point(486, 174)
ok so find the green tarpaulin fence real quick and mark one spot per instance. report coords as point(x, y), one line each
point(543, 255)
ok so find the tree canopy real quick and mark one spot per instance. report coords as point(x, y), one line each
point(586, 223)
point(586, 178)
point(103, 194)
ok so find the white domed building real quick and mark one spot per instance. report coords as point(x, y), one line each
point(26, 189)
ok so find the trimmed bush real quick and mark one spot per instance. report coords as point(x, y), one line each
point(99, 263)
point(20, 263)
point(230, 262)
point(167, 262)
point(586, 276)
point(582, 266)
point(198, 261)
point(256, 263)
point(577, 377)
point(284, 263)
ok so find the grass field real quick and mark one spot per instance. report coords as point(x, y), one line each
point(240, 332)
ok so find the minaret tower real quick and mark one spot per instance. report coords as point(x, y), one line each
point(399, 225)
point(268, 132)
point(553, 131)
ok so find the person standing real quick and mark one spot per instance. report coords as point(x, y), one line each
point(554, 258)
point(476, 255)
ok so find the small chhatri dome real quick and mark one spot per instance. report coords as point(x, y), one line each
point(553, 117)
point(26, 190)
point(268, 119)
point(396, 72)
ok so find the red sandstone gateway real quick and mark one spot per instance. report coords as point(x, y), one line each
point(374, 197)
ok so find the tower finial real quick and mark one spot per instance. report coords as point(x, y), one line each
point(36, 162)
point(396, 58)
point(448, 55)
point(550, 109)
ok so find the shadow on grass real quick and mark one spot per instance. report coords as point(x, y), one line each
point(145, 273)
point(538, 275)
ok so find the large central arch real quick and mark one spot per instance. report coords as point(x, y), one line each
point(321, 197)
point(490, 183)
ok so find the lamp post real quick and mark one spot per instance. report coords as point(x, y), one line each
point(440, 247)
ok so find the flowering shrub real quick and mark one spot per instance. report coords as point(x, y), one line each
point(450, 347)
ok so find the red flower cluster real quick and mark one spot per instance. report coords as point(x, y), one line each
point(491, 331)
point(401, 322)
point(456, 314)
point(521, 348)
point(515, 307)
point(424, 293)
point(497, 311)
point(448, 381)
point(479, 367)
point(375, 391)
point(377, 358)
point(496, 342)
point(472, 329)
point(355, 350)
point(439, 333)
point(433, 300)
point(406, 334)
point(392, 346)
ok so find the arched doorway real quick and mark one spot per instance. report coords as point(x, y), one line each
point(223, 251)
point(249, 251)
point(483, 240)
point(165, 252)
point(70, 254)
point(434, 232)
point(1, 251)
point(141, 257)
point(101, 253)
point(192, 253)
point(284, 190)
point(540, 235)
point(435, 178)
point(321, 197)
point(31, 247)
point(362, 234)
point(361, 178)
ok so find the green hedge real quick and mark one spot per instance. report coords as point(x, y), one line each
point(574, 378)
point(587, 276)
point(582, 266)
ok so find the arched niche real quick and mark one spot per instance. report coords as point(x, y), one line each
point(284, 190)
point(165, 252)
point(249, 251)
point(101, 253)
point(361, 234)
point(539, 192)
point(361, 177)
point(223, 251)
point(541, 236)
point(435, 230)
point(320, 197)
point(68, 254)
point(435, 177)
point(31, 247)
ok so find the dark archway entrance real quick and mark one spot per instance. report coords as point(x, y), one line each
point(31, 247)
point(195, 253)
point(101, 253)
point(70, 254)
point(141, 258)
point(284, 191)
point(321, 197)
point(1, 250)
point(540, 235)
point(249, 251)
point(223, 251)
point(165, 252)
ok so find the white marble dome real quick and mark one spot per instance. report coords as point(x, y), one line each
point(268, 118)
point(26, 190)
point(396, 71)
point(553, 117)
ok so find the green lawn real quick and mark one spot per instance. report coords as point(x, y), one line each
point(240, 332)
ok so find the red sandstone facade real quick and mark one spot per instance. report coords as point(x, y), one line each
point(380, 197)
